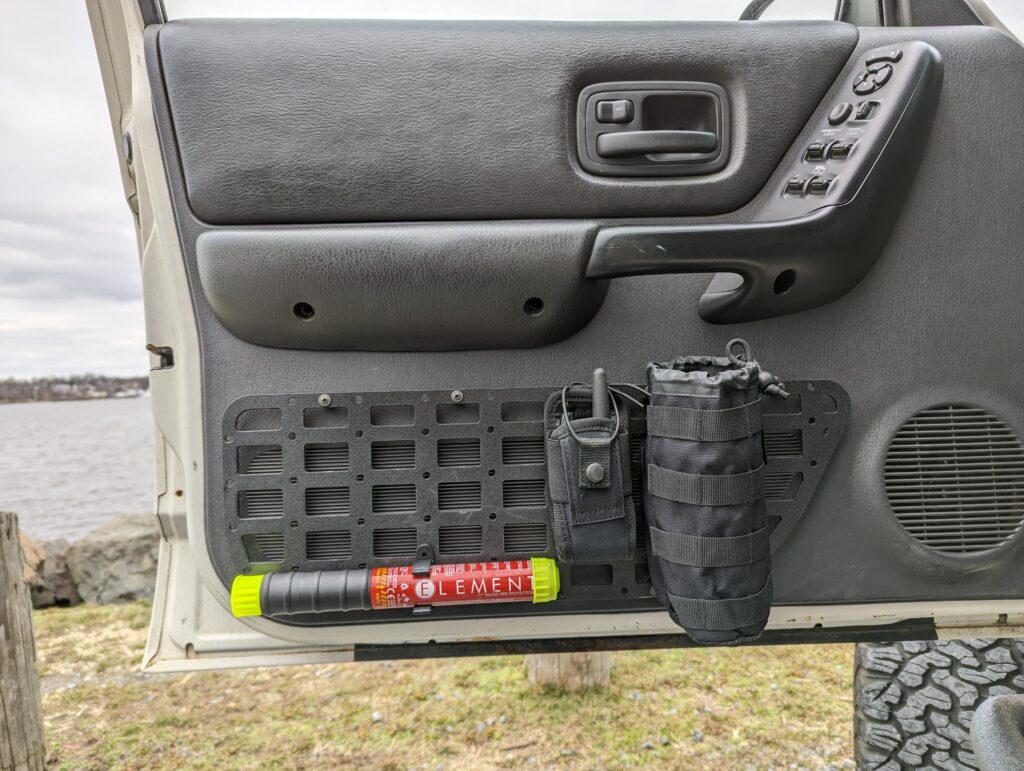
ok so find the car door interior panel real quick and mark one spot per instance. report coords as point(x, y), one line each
point(404, 239)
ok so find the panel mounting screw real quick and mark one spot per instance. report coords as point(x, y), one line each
point(457, 397)
point(324, 400)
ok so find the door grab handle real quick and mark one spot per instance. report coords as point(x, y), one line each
point(626, 143)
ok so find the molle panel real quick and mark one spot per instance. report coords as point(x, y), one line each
point(401, 287)
point(321, 121)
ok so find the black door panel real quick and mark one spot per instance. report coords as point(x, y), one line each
point(332, 123)
point(323, 121)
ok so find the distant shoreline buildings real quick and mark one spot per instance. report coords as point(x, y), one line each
point(72, 388)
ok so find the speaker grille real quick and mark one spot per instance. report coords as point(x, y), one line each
point(954, 476)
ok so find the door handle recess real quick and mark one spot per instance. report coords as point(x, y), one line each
point(627, 143)
point(820, 224)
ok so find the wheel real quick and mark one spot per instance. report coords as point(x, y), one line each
point(913, 701)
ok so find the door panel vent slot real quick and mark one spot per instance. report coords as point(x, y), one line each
point(391, 499)
point(260, 459)
point(394, 542)
point(954, 477)
point(522, 450)
point(393, 455)
point(458, 413)
point(260, 503)
point(327, 457)
point(392, 415)
point(784, 444)
point(458, 495)
point(259, 419)
point(460, 539)
point(523, 493)
point(782, 485)
point(458, 452)
point(590, 575)
point(328, 502)
point(325, 417)
point(526, 538)
point(522, 412)
point(329, 545)
point(264, 547)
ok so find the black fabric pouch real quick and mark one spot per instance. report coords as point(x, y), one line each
point(593, 518)
point(704, 497)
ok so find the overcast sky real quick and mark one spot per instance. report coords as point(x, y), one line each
point(70, 294)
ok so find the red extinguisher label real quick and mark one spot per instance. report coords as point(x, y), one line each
point(460, 584)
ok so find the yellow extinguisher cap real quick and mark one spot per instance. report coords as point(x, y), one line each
point(545, 579)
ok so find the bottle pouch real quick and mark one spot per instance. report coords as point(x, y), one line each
point(593, 518)
point(704, 495)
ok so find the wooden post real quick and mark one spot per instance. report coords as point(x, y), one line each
point(21, 710)
point(570, 671)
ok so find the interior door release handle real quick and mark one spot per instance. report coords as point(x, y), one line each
point(626, 143)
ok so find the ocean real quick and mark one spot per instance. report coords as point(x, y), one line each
point(66, 467)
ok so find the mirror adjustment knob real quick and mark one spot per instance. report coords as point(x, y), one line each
point(840, 113)
point(892, 57)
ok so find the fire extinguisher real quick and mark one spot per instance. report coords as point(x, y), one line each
point(329, 591)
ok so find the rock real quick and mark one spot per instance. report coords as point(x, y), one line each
point(46, 573)
point(698, 735)
point(116, 562)
point(376, 717)
point(57, 575)
point(647, 746)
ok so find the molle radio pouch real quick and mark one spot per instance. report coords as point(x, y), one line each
point(704, 494)
point(587, 445)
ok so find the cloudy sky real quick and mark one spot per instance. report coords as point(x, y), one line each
point(70, 295)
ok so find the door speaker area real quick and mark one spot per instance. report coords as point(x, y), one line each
point(954, 477)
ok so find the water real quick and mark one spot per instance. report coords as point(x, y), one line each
point(66, 467)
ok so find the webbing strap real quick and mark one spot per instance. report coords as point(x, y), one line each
point(704, 425)
point(706, 489)
point(723, 615)
point(710, 552)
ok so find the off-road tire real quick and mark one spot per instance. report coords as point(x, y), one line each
point(913, 701)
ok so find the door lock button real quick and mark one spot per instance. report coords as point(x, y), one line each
point(615, 111)
point(866, 110)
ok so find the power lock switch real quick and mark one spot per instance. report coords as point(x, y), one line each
point(866, 110)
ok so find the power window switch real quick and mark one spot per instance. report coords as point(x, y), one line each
point(840, 151)
point(815, 151)
point(819, 185)
point(796, 185)
point(615, 111)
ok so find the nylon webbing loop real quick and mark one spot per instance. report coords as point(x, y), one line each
point(704, 425)
point(706, 489)
point(723, 615)
point(710, 552)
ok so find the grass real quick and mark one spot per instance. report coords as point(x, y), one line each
point(777, 707)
